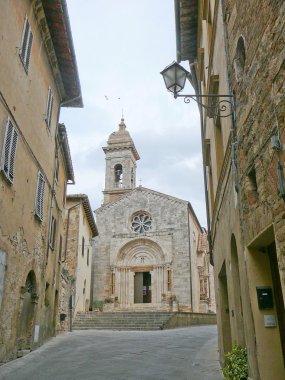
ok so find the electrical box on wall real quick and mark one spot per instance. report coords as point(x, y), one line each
point(264, 297)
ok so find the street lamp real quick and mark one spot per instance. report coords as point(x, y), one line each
point(175, 76)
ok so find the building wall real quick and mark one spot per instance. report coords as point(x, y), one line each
point(27, 318)
point(218, 137)
point(84, 264)
point(241, 54)
point(77, 266)
point(258, 85)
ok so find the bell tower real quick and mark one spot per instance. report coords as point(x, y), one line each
point(121, 157)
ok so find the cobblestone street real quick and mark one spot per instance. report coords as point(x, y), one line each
point(180, 354)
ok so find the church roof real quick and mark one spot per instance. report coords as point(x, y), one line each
point(121, 139)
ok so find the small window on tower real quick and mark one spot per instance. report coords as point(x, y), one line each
point(118, 175)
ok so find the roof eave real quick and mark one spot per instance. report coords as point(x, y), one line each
point(87, 209)
point(186, 29)
point(66, 153)
point(53, 20)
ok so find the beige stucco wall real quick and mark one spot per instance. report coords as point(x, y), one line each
point(23, 237)
point(77, 268)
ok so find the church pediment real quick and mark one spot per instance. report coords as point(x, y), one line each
point(143, 192)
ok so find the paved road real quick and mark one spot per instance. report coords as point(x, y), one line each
point(180, 354)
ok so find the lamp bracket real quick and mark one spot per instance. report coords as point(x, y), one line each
point(219, 106)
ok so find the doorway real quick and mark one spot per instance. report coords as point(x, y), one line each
point(27, 316)
point(278, 296)
point(142, 287)
point(224, 310)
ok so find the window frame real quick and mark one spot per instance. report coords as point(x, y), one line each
point(52, 232)
point(9, 151)
point(82, 246)
point(49, 108)
point(40, 193)
point(26, 44)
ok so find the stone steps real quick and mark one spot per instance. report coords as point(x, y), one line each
point(121, 320)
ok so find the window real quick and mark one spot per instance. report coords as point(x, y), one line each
point(251, 187)
point(82, 248)
point(9, 151)
point(26, 45)
point(118, 175)
point(49, 108)
point(88, 256)
point(60, 249)
point(39, 207)
point(56, 169)
point(52, 231)
point(141, 222)
point(239, 60)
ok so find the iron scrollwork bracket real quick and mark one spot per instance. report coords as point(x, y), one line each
point(218, 105)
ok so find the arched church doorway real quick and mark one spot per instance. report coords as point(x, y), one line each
point(142, 287)
point(139, 274)
point(27, 314)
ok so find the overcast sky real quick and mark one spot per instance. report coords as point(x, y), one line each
point(121, 46)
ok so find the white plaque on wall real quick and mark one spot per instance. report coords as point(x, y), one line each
point(270, 321)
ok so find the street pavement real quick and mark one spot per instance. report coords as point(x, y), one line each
point(179, 354)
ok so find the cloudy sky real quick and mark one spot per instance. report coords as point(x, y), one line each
point(121, 47)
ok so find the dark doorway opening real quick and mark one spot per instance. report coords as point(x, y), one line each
point(146, 287)
point(142, 287)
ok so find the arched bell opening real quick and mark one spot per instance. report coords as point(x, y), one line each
point(118, 174)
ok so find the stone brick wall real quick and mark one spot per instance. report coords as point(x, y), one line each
point(260, 105)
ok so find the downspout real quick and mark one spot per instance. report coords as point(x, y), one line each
point(197, 88)
point(190, 263)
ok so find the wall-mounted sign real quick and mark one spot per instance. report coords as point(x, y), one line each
point(270, 321)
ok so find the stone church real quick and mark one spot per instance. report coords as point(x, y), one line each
point(151, 252)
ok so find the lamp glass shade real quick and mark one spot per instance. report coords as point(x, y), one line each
point(174, 77)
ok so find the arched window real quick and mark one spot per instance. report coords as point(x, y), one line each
point(31, 283)
point(118, 171)
point(239, 60)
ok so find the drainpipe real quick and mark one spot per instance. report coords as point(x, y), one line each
point(190, 263)
point(197, 88)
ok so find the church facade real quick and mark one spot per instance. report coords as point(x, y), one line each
point(151, 252)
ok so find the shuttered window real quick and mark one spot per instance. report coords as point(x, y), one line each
point(49, 108)
point(39, 207)
point(26, 46)
point(52, 231)
point(9, 151)
point(56, 168)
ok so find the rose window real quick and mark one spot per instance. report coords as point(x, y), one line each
point(141, 223)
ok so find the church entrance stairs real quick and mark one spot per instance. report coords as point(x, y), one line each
point(122, 320)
